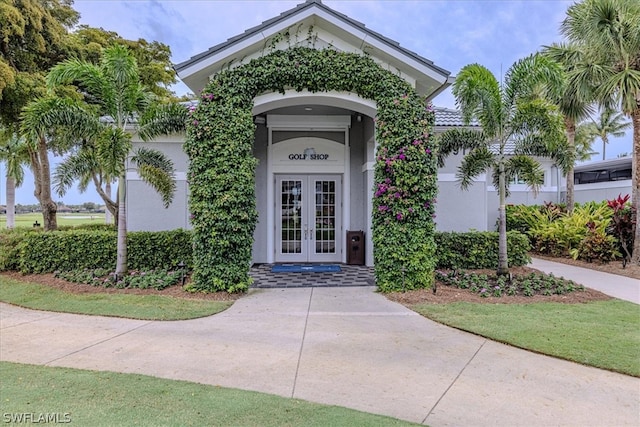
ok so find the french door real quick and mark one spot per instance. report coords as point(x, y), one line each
point(308, 218)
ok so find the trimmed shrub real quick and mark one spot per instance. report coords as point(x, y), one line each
point(479, 249)
point(67, 250)
point(10, 246)
point(89, 249)
point(149, 250)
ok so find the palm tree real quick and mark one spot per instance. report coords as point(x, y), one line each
point(584, 141)
point(515, 126)
point(13, 151)
point(607, 31)
point(42, 134)
point(609, 123)
point(574, 104)
point(113, 101)
point(84, 165)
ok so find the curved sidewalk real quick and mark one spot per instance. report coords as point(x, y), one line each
point(345, 346)
point(620, 287)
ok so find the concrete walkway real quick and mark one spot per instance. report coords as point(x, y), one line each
point(344, 346)
point(620, 287)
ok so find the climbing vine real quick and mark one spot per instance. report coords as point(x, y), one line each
point(220, 137)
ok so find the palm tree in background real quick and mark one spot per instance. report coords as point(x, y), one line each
point(584, 142)
point(607, 32)
point(114, 105)
point(609, 123)
point(574, 103)
point(516, 125)
point(14, 152)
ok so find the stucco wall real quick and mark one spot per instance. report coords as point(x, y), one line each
point(601, 191)
point(145, 210)
point(458, 210)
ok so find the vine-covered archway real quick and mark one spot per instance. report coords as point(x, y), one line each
point(220, 137)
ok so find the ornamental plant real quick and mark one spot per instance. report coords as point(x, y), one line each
point(622, 226)
point(220, 136)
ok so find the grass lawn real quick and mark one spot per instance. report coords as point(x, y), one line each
point(27, 220)
point(145, 307)
point(604, 334)
point(88, 398)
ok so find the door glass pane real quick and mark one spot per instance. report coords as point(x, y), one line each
point(291, 205)
point(325, 220)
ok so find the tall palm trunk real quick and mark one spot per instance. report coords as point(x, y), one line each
point(605, 141)
point(109, 212)
point(121, 264)
point(11, 202)
point(635, 182)
point(570, 126)
point(42, 174)
point(503, 264)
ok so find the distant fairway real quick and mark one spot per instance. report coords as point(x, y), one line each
point(27, 220)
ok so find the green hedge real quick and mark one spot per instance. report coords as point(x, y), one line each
point(161, 249)
point(479, 249)
point(89, 249)
point(10, 247)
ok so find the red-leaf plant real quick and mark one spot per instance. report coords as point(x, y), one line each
point(623, 224)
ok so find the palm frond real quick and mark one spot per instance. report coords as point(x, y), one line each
point(155, 158)
point(478, 96)
point(157, 170)
point(162, 119)
point(47, 116)
point(454, 140)
point(626, 85)
point(535, 74)
point(473, 164)
point(527, 169)
point(14, 152)
point(75, 167)
point(113, 146)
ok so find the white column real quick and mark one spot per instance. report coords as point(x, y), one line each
point(271, 223)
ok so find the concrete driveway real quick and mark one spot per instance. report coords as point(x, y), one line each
point(344, 346)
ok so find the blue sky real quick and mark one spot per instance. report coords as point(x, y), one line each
point(452, 33)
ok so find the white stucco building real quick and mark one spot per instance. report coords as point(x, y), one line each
point(316, 151)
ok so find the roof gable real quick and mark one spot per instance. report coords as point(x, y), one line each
point(314, 24)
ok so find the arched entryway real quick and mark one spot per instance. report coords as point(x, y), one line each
point(314, 177)
point(221, 142)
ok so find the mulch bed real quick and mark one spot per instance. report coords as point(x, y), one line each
point(449, 294)
point(444, 294)
point(79, 288)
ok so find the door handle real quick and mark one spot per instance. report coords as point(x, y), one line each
point(306, 230)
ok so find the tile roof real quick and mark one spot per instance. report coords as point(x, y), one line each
point(451, 118)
